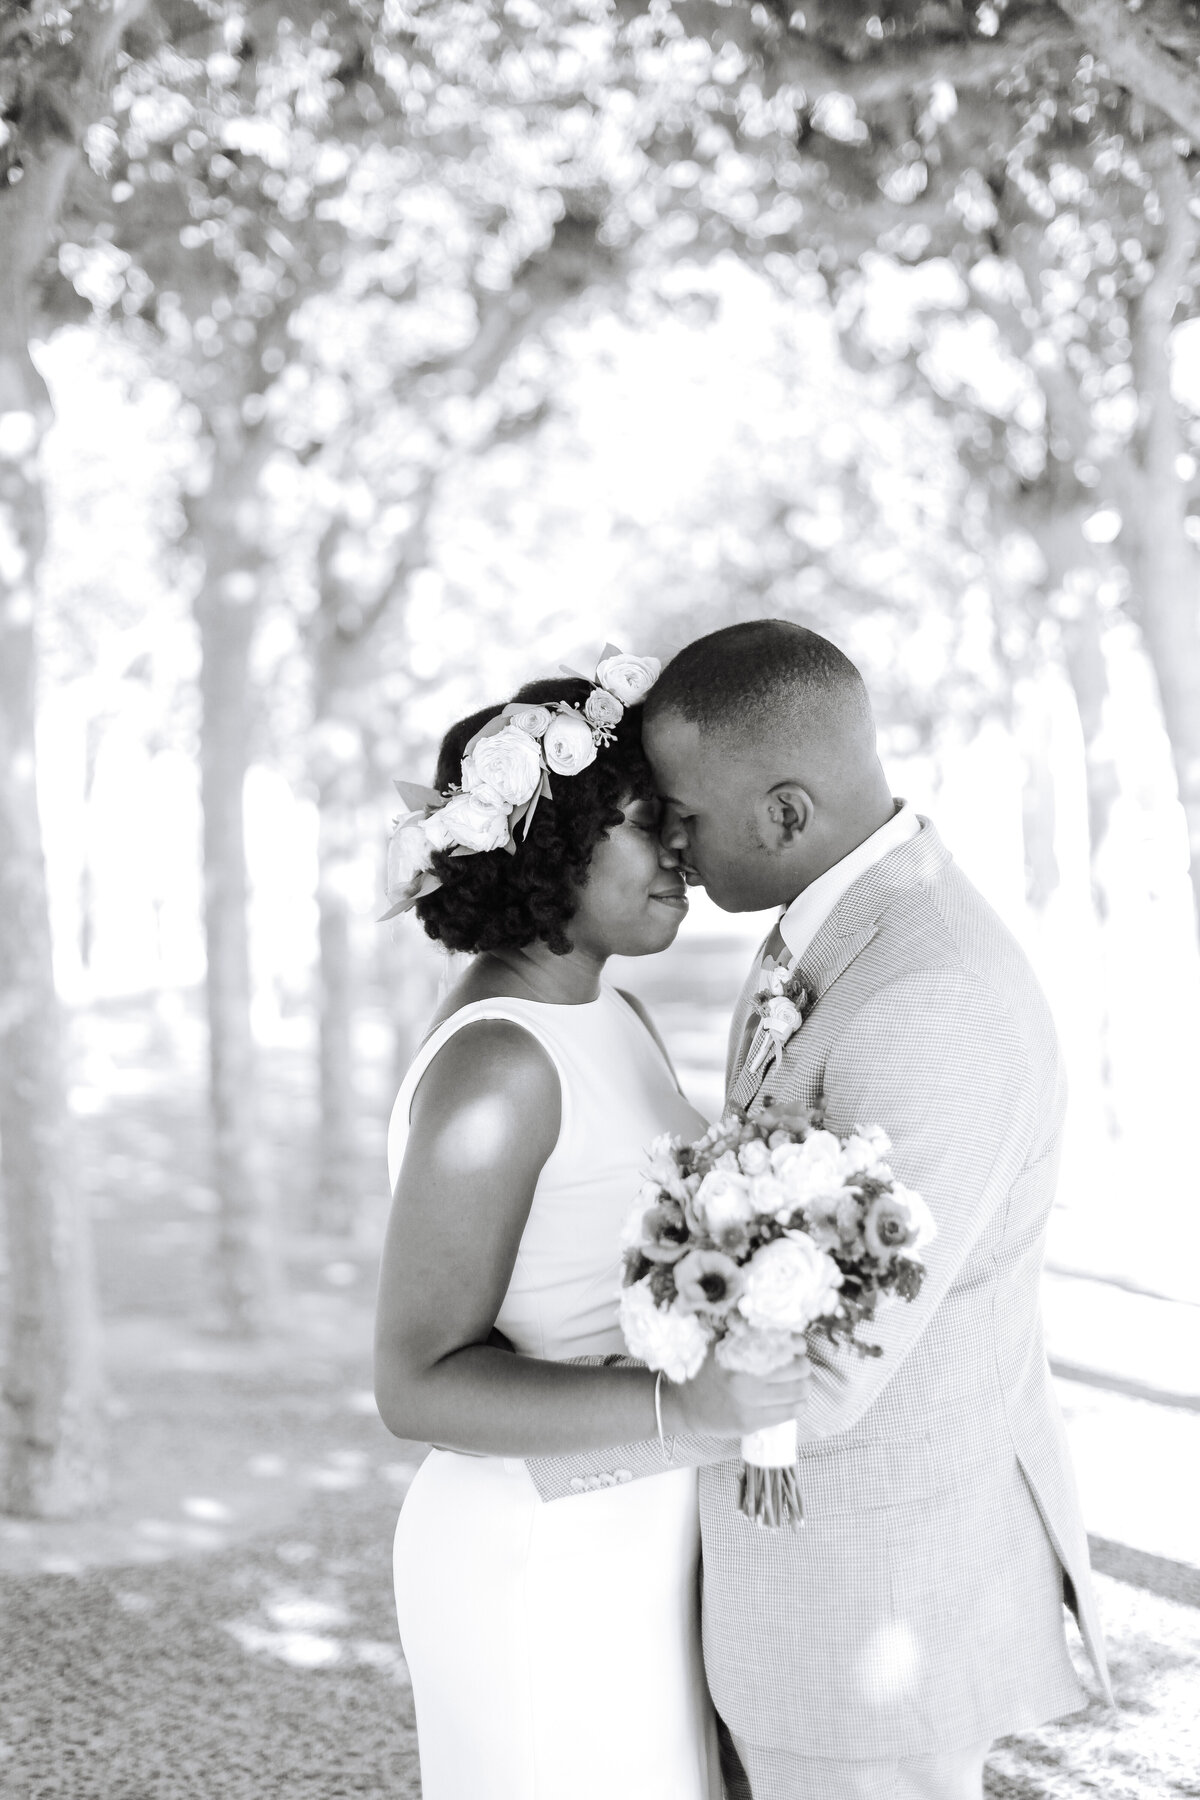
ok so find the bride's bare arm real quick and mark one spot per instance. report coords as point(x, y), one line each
point(484, 1120)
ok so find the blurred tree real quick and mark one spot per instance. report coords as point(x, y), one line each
point(56, 64)
point(379, 475)
point(1062, 194)
point(228, 157)
point(278, 178)
point(216, 151)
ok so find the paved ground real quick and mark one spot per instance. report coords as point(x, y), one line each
point(222, 1629)
point(229, 1634)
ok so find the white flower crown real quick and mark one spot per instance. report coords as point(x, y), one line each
point(506, 770)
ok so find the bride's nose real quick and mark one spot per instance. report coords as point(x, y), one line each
point(668, 856)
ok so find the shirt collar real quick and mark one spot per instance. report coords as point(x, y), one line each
point(810, 909)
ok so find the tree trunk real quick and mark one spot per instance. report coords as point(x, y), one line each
point(1163, 565)
point(53, 1420)
point(1039, 815)
point(340, 1147)
point(1055, 517)
point(51, 1457)
point(341, 626)
point(1083, 654)
point(246, 1251)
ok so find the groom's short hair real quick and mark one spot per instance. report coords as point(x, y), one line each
point(769, 673)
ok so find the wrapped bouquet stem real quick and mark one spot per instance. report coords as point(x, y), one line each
point(766, 1230)
point(770, 1490)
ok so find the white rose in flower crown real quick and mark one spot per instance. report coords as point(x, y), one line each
point(665, 1338)
point(568, 744)
point(723, 1198)
point(603, 709)
point(409, 853)
point(509, 763)
point(789, 1283)
point(630, 678)
point(469, 820)
point(531, 719)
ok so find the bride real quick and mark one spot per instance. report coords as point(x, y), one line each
point(554, 1649)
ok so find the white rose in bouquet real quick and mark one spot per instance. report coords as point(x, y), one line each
point(923, 1222)
point(665, 1338)
point(789, 1283)
point(811, 1168)
point(508, 763)
point(631, 1229)
point(898, 1223)
point(409, 853)
point(568, 744)
point(630, 678)
point(767, 1195)
point(664, 1170)
point(754, 1352)
point(866, 1152)
point(754, 1158)
point(470, 820)
point(723, 1198)
point(661, 1166)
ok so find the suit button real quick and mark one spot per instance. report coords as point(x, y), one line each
point(607, 1480)
point(623, 1474)
point(590, 1483)
point(577, 1484)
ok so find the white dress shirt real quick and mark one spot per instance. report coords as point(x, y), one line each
point(810, 909)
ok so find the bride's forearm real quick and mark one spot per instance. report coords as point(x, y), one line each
point(497, 1403)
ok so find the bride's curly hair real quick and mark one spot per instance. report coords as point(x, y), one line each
point(497, 901)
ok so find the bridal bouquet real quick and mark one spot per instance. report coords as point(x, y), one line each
point(763, 1230)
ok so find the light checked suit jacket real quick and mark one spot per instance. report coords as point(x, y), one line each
point(920, 1606)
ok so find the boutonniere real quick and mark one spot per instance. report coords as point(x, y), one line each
point(780, 1000)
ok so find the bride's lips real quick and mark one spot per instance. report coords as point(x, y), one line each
point(673, 896)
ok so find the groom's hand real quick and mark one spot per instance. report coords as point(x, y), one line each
point(722, 1403)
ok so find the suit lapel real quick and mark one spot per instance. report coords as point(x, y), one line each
point(844, 935)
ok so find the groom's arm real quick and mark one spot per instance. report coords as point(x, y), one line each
point(936, 1061)
point(558, 1477)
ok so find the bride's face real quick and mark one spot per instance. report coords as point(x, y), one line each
point(635, 897)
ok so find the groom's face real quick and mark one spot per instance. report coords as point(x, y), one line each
point(713, 817)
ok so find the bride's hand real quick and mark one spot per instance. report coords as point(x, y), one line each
point(721, 1403)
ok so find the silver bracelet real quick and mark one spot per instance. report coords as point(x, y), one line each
point(668, 1456)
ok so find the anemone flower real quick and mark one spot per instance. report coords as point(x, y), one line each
point(708, 1281)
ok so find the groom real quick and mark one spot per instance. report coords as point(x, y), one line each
point(918, 1614)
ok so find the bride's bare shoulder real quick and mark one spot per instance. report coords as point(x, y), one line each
point(487, 1062)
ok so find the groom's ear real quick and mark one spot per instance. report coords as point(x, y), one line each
point(789, 810)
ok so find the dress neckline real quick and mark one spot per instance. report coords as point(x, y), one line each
point(574, 1006)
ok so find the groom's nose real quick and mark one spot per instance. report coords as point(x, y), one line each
point(673, 836)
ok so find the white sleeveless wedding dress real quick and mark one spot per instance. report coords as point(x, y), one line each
point(555, 1649)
